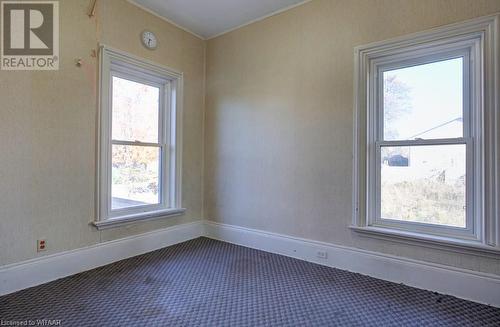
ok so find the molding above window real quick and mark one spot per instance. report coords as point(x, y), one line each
point(482, 37)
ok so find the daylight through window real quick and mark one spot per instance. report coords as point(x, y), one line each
point(426, 137)
point(139, 171)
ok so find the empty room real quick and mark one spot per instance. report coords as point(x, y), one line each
point(250, 163)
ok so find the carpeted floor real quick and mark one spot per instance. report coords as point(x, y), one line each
point(210, 283)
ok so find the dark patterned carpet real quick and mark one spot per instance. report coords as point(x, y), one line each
point(210, 283)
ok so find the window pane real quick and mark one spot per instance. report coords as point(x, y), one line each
point(135, 111)
point(424, 101)
point(135, 176)
point(424, 184)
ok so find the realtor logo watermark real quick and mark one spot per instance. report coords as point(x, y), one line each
point(30, 35)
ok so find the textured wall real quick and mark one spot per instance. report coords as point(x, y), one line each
point(47, 128)
point(279, 117)
point(278, 123)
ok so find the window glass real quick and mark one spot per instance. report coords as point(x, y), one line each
point(135, 109)
point(424, 101)
point(135, 176)
point(424, 184)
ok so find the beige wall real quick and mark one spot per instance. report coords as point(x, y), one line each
point(279, 118)
point(47, 128)
point(278, 123)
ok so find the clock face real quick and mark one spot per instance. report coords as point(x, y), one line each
point(149, 40)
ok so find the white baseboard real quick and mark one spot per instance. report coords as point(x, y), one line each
point(465, 284)
point(41, 270)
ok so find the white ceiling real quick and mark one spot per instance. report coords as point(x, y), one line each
point(210, 18)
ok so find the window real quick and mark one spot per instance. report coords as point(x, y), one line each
point(422, 142)
point(139, 139)
point(426, 139)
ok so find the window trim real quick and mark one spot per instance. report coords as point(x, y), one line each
point(113, 62)
point(481, 35)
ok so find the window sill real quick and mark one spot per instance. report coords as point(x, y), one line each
point(430, 241)
point(135, 218)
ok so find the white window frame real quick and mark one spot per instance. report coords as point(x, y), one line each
point(477, 42)
point(115, 63)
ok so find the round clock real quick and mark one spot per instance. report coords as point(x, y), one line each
point(149, 40)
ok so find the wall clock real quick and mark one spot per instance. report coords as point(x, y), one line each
point(149, 40)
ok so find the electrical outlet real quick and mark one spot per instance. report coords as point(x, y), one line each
point(322, 254)
point(41, 245)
